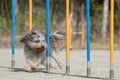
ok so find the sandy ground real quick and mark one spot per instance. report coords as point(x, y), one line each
point(99, 66)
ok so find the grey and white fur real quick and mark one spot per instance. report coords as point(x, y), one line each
point(35, 49)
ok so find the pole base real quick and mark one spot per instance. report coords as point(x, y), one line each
point(88, 72)
point(111, 74)
point(48, 67)
point(48, 64)
point(67, 70)
point(13, 63)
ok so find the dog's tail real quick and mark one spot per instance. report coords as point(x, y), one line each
point(58, 35)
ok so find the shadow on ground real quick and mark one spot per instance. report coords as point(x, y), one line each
point(42, 70)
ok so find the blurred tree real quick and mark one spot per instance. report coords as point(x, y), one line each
point(105, 19)
point(78, 5)
point(117, 17)
point(98, 9)
point(16, 7)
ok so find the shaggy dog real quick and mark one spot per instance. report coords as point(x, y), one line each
point(35, 49)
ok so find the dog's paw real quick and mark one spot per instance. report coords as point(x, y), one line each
point(34, 68)
point(61, 66)
point(28, 69)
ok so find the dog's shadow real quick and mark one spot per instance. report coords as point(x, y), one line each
point(21, 69)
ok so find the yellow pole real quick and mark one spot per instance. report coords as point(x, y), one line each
point(67, 38)
point(83, 34)
point(70, 40)
point(70, 27)
point(30, 15)
point(112, 39)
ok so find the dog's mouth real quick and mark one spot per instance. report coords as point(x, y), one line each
point(39, 49)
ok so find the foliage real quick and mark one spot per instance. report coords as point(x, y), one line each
point(57, 14)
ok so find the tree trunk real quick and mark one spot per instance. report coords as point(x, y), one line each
point(105, 19)
point(16, 7)
point(52, 12)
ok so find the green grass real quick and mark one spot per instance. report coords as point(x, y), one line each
point(104, 46)
point(97, 44)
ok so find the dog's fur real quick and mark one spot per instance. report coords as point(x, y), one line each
point(35, 49)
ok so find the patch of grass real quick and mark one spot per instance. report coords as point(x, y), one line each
point(97, 44)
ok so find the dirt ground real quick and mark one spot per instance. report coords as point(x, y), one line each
point(100, 66)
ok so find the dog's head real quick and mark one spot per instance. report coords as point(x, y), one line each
point(35, 41)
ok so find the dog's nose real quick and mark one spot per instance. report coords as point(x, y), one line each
point(38, 48)
point(42, 46)
point(37, 41)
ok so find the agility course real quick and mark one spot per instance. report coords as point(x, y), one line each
point(68, 58)
point(88, 38)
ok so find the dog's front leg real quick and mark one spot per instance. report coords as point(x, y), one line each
point(39, 59)
point(43, 62)
point(28, 66)
point(36, 65)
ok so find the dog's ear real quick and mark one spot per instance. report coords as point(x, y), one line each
point(34, 32)
point(22, 40)
point(25, 38)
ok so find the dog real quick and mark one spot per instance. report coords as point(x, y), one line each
point(35, 49)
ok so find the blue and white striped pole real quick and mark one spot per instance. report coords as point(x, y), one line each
point(88, 37)
point(13, 34)
point(48, 34)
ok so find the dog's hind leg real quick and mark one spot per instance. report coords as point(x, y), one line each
point(43, 62)
point(54, 56)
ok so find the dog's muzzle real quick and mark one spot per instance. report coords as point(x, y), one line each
point(38, 49)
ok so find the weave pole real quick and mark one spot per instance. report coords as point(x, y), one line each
point(70, 25)
point(67, 38)
point(88, 37)
point(30, 15)
point(48, 35)
point(83, 27)
point(13, 34)
point(112, 39)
